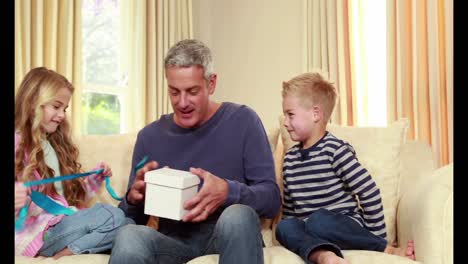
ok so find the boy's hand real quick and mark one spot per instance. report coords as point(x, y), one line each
point(137, 191)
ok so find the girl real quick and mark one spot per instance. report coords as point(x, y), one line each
point(44, 149)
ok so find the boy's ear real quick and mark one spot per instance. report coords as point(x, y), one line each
point(317, 113)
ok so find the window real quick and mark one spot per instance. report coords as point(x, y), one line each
point(103, 81)
point(370, 46)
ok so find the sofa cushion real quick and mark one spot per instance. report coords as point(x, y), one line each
point(378, 149)
point(73, 259)
point(116, 151)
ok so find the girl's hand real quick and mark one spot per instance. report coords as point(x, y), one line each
point(21, 195)
point(95, 180)
point(107, 170)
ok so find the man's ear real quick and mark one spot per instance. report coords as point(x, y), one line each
point(212, 83)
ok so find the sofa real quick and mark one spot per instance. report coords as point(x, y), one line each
point(417, 196)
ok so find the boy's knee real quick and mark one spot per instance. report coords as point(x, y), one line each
point(319, 221)
point(287, 225)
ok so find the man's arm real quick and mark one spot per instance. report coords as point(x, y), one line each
point(260, 190)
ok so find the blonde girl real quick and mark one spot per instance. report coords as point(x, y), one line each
point(44, 149)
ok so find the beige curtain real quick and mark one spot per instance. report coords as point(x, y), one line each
point(150, 28)
point(48, 33)
point(420, 71)
point(328, 48)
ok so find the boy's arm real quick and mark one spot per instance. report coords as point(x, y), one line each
point(361, 184)
point(288, 208)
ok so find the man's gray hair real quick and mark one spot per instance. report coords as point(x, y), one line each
point(190, 52)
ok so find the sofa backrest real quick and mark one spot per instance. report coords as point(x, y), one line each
point(115, 150)
point(393, 163)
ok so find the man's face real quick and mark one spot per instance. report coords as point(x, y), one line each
point(189, 93)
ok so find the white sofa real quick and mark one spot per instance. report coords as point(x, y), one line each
point(418, 199)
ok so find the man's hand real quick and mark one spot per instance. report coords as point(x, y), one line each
point(137, 192)
point(211, 196)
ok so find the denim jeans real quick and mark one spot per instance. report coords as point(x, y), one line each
point(89, 230)
point(326, 230)
point(235, 235)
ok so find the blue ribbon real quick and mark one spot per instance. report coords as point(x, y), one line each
point(61, 178)
point(55, 208)
point(109, 188)
point(141, 163)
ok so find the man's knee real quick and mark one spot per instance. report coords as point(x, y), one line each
point(237, 219)
point(129, 237)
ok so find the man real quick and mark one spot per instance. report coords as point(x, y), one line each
point(224, 144)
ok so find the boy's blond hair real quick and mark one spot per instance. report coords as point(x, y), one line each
point(312, 89)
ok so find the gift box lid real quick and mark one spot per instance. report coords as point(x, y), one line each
point(172, 178)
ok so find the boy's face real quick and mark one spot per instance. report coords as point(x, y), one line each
point(298, 119)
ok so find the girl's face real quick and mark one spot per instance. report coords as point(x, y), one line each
point(54, 111)
point(298, 120)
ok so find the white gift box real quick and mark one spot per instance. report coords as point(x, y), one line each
point(167, 190)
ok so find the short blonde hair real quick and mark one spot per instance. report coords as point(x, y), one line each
point(312, 89)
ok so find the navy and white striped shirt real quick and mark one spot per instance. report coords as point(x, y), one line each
point(328, 175)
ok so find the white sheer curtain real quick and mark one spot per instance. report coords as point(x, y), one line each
point(150, 28)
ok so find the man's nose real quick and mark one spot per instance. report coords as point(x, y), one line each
point(183, 100)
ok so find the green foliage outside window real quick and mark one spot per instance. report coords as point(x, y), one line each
point(102, 114)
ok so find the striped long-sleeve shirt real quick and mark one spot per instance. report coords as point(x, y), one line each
point(328, 175)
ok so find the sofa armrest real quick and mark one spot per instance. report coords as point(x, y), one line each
point(425, 214)
point(417, 160)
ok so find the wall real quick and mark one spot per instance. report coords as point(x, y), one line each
point(256, 46)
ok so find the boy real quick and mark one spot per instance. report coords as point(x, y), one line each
point(322, 176)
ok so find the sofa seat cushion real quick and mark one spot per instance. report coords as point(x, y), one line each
point(75, 259)
point(280, 255)
point(372, 257)
point(272, 255)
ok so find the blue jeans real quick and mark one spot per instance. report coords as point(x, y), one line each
point(326, 230)
point(235, 235)
point(89, 230)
